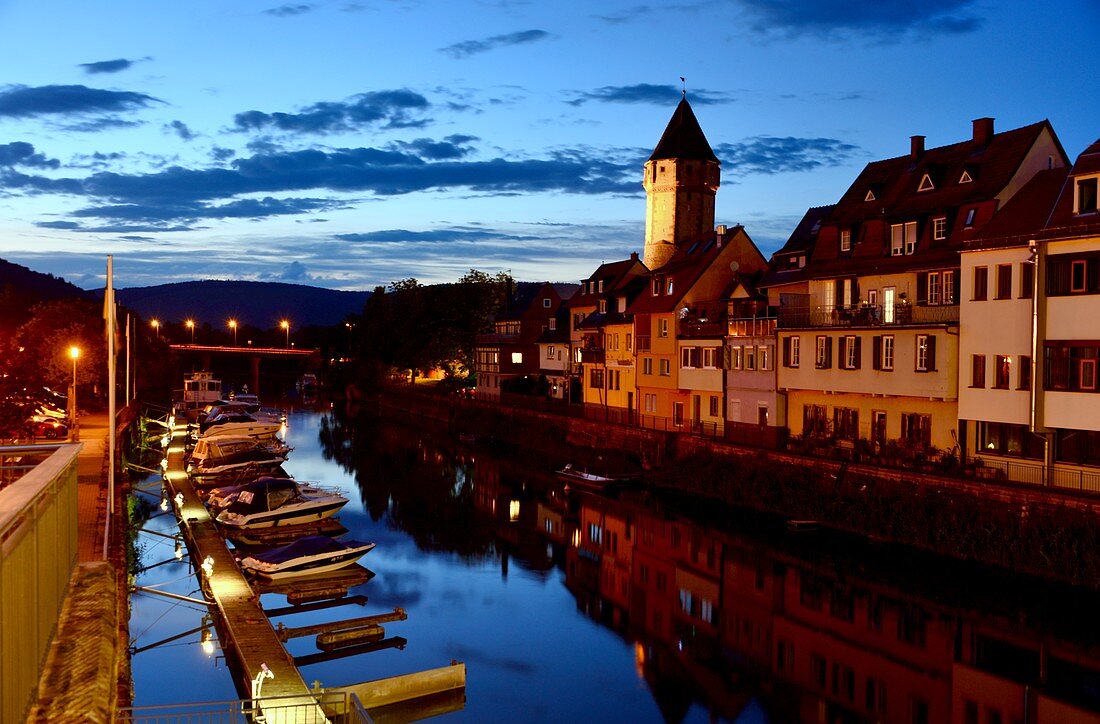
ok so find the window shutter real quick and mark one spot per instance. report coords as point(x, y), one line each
point(859, 352)
point(842, 352)
point(727, 358)
point(786, 351)
point(828, 352)
point(839, 295)
point(855, 292)
point(931, 366)
point(957, 288)
point(876, 352)
point(922, 288)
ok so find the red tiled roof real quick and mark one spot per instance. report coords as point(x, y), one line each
point(1063, 222)
point(687, 265)
point(615, 274)
point(801, 240)
point(1025, 214)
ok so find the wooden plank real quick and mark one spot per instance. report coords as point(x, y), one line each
point(285, 632)
point(382, 692)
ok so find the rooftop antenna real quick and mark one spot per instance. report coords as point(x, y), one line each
point(684, 92)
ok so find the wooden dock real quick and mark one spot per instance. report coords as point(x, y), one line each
point(247, 634)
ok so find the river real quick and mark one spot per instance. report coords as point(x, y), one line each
point(572, 606)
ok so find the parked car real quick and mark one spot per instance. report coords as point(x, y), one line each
point(47, 427)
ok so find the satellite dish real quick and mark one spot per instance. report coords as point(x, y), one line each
point(734, 266)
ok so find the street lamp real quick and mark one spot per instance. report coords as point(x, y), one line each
point(74, 432)
point(156, 326)
point(233, 326)
point(190, 323)
point(285, 324)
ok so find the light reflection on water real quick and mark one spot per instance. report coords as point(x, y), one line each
point(581, 608)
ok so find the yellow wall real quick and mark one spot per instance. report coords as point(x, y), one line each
point(944, 414)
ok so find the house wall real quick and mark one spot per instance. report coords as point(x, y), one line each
point(944, 414)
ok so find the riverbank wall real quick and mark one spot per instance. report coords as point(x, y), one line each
point(1023, 529)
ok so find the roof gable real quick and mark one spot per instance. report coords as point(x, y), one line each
point(683, 137)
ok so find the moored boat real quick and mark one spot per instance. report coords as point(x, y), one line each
point(274, 503)
point(225, 454)
point(306, 556)
point(237, 423)
point(577, 476)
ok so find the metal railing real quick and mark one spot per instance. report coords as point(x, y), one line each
point(752, 327)
point(38, 547)
point(1035, 473)
point(866, 315)
point(338, 707)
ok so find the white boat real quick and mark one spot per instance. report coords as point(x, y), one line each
point(306, 556)
point(221, 497)
point(571, 474)
point(225, 454)
point(273, 504)
point(238, 424)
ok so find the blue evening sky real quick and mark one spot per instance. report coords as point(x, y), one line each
point(354, 143)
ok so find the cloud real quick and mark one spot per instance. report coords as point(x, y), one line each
point(661, 95)
point(295, 272)
point(106, 66)
point(388, 109)
point(473, 47)
point(103, 123)
point(180, 129)
point(771, 154)
point(21, 153)
point(884, 19)
point(452, 147)
point(110, 228)
point(19, 101)
point(447, 235)
point(286, 11)
point(626, 15)
point(221, 154)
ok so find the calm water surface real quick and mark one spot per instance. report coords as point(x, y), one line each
point(568, 606)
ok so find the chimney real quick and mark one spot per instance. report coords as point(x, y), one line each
point(983, 131)
point(916, 148)
point(633, 256)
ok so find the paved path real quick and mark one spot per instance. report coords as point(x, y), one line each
point(91, 513)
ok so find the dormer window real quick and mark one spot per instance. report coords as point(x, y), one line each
point(669, 287)
point(546, 303)
point(656, 286)
point(601, 286)
point(845, 239)
point(970, 213)
point(1085, 198)
point(926, 184)
point(903, 238)
point(939, 228)
point(603, 306)
point(553, 323)
point(966, 178)
point(870, 195)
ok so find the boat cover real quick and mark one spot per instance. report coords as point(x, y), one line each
point(310, 545)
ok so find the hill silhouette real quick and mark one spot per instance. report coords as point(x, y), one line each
point(260, 304)
point(21, 288)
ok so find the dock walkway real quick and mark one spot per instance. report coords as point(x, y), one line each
point(247, 633)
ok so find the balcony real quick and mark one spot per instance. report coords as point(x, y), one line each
point(593, 356)
point(752, 327)
point(700, 328)
point(866, 315)
point(642, 343)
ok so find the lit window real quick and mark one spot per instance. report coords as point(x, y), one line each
point(763, 357)
point(669, 286)
point(603, 306)
point(824, 352)
point(601, 286)
point(934, 288)
point(939, 228)
point(845, 239)
point(949, 287)
point(1002, 372)
point(926, 361)
point(903, 238)
point(553, 324)
point(888, 352)
point(517, 358)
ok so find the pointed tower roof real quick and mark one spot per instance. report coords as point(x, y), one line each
point(683, 138)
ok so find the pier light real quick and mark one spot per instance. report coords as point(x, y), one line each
point(164, 504)
point(208, 566)
point(190, 324)
point(179, 501)
point(233, 326)
point(155, 324)
point(179, 550)
point(285, 325)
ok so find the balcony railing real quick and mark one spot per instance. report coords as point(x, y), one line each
point(752, 327)
point(642, 343)
point(593, 356)
point(867, 315)
point(700, 328)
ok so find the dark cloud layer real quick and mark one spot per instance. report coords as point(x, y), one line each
point(387, 109)
point(19, 101)
point(288, 10)
point(473, 47)
point(881, 18)
point(21, 153)
point(434, 236)
point(107, 66)
point(771, 155)
point(661, 95)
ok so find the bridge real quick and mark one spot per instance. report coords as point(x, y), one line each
point(233, 359)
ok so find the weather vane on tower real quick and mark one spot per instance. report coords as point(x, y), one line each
point(684, 91)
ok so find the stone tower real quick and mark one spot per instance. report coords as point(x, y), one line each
point(681, 180)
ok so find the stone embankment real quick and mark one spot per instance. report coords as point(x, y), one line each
point(1023, 529)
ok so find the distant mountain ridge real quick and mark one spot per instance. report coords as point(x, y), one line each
point(261, 304)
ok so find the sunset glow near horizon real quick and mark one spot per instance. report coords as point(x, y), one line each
point(351, 144)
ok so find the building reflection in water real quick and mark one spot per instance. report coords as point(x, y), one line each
point(797, 626)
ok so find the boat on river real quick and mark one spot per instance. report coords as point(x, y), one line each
point(273, 503)
point(220, 498)
point(238, 423)
point(227, 454)
point(306, 556)
point(578, 476)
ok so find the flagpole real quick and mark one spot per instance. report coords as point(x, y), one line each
point(109, 313)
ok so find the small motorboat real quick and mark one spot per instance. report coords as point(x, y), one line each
point(279, 502)
point(574, 475)
point(237, 423)
point(225, 454)
point(221, 497)
point(306, 556)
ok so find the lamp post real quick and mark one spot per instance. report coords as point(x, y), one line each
point(74, 431)
point(285, 324)
point(233, 326)
point(190, 323)
point(155, 323)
